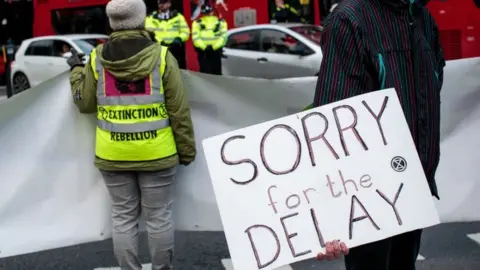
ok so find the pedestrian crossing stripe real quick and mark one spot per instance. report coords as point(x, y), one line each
point(475, 237)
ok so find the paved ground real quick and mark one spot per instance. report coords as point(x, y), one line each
point(445, 247)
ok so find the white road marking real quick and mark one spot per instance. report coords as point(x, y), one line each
point(420, 257)
point(144, 267)
point(227, 263)
point(475, 237)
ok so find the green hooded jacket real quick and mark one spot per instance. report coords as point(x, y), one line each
point(131, 55)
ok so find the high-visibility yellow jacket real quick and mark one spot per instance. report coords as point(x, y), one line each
point(287, 14)
point(209, 31)
point(133, 61)
point(132, 119)
point(167, 30)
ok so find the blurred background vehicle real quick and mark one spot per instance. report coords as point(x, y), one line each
point(39, 59)
point(273, 51)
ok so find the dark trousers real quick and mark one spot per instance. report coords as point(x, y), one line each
point(210, 62)
point(178, 51)
point(5, 73)
point(396, 253)
point(8, 79)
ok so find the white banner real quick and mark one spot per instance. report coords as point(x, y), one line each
point(52, 196)
point(348, 170)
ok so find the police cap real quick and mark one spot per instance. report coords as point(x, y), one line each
point(206, 9)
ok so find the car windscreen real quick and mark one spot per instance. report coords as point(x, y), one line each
point(85, 46)
point(95, 41)
point(311, 32)
point(88, 44)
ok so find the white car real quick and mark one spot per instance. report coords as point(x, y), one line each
point(273, 51)
point(41, 58)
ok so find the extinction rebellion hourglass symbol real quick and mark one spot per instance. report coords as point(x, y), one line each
point(399, 164)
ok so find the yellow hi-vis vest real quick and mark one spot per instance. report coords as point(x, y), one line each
point(167, 30)
point(209, 30)
point(132, 127)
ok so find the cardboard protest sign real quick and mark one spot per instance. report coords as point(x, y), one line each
point(348, 170)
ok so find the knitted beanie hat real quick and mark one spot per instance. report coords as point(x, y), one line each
point(126, 14)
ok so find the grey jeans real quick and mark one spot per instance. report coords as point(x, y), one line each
point(133, 193)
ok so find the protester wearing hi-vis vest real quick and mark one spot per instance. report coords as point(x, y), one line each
point(144, 130)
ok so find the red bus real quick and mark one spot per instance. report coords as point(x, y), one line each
point(459, 24)
point(458, 20)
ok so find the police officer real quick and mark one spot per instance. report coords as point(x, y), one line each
point(286, 13)
point(170, 29)
point(4, 58)
point(209, 35)
point(8, 52)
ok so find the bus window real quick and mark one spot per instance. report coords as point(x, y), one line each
point(16, 21)
point(87, 20)
point(302, 8)
point(326, 7)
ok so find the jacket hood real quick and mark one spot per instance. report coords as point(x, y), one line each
point(129, 55)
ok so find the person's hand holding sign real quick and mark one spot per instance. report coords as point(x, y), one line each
point(334, 250)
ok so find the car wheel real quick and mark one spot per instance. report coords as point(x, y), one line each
point(20, 83)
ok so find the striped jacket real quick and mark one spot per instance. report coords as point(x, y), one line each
point(375, 44)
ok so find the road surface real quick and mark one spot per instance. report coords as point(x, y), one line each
point(3, 93)
point(445, 247)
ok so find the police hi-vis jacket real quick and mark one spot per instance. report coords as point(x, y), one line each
point(166, 30)
point(209, 31)
point(287, 14)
